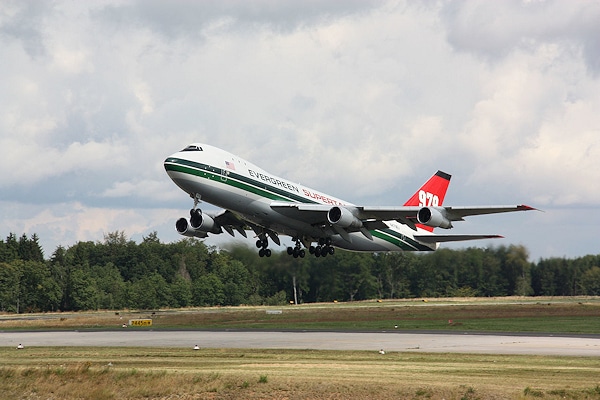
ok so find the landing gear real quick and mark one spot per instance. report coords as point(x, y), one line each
point(262, 244)
point(322, 249)
point(297, 250)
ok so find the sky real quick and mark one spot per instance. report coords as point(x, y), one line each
point(363, 100)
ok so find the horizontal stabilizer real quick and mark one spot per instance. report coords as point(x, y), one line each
point(452, 238)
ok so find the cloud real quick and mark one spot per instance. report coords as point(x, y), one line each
point(495, 30)
point(201, 20)
point(363, 100)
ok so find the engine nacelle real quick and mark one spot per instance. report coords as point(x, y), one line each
point(183, 228)
point(343, 218)
point(203, 222)
point(434, 217)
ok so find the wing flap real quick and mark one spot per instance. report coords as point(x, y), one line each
point(311, 213)
point(229, 221)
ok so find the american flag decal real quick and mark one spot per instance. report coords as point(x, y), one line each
point(230, 165)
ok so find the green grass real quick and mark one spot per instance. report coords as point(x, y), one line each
point(581, 316)
point(502, 316)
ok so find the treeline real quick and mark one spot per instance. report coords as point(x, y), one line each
point(119, 273)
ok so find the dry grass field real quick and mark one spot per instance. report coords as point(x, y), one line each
point(169, 373)
point(145, 373)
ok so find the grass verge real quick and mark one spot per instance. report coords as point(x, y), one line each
point(549, 315)
point(149, 373)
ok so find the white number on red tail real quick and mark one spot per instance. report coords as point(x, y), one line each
point(427, 199)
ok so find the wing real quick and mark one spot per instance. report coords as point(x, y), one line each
point(229, 221)
point(409, 215)
point(452, 238)
point(457, 213)
point(361, 218)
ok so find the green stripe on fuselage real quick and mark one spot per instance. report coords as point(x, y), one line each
point(404, 242)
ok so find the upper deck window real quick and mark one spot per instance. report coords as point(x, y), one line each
point(192, 147)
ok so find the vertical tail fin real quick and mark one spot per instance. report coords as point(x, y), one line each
point(432, 194)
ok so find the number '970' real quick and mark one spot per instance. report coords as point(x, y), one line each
point(428, 199)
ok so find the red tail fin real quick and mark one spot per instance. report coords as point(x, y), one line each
point(432, 193)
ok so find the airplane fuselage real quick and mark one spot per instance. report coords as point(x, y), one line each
point(230, 182)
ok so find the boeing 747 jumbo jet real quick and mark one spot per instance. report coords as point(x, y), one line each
point(253, 199)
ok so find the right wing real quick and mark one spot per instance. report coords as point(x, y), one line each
point(347, 219)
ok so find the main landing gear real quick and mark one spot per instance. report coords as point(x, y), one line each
point(297, 251)
point(322, 249)
point(262, 244)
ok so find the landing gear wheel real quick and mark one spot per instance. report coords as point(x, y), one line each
point(262, 245)
point(317, 252)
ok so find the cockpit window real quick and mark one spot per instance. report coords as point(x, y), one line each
point(192, 147)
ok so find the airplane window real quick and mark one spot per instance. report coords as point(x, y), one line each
point(192, 147)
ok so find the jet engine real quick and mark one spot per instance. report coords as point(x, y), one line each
point(434, 217)
point(199, 225)
point(183, 228)
point(343, 218)
point(203, 222)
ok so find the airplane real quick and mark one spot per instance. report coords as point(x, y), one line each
point(253, 199)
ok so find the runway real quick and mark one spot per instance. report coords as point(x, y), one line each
point(389, 341)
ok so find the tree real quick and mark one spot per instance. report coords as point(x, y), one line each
point(181, 290)
point(391, 272)
point(208, 290)
point(110, 286)
point(10, 278)
point(9, 250)
point(150, 292)
point(30, 249)
point(357, 282)
point(36, 289)
point(235, 278)
point(590, 282)
point(83, 294)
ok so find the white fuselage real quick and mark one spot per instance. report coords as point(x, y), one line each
point(227, 181)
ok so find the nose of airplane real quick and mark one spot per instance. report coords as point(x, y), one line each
point(170, 162)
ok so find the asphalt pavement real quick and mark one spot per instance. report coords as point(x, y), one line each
point(389, 341)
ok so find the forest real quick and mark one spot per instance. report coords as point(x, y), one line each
point(118, 273)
